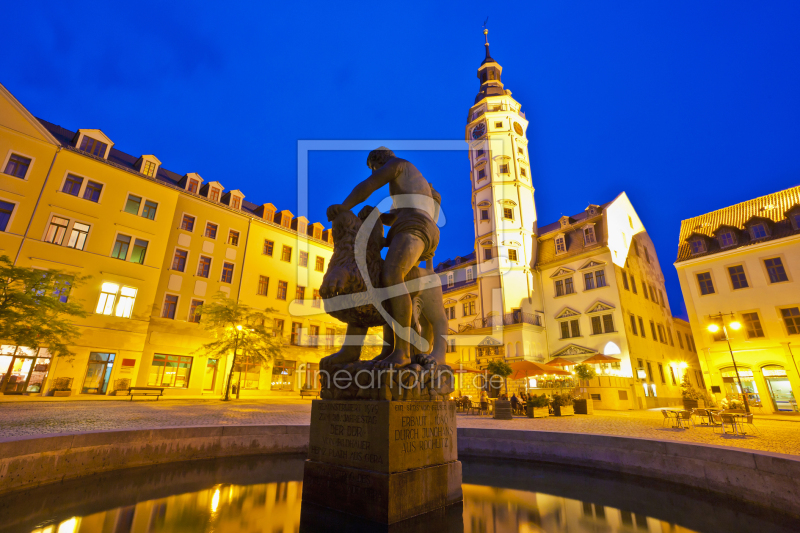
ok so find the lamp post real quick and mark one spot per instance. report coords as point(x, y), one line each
point(735, 325)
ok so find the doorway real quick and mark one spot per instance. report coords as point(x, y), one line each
point(210, 376)
point(780, 390)
point(98, 373)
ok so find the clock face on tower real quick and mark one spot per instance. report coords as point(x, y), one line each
point(478, 131)
point(518, 128)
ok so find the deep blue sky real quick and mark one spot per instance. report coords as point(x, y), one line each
point(688, 107)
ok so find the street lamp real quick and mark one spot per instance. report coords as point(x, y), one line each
point(735, 325)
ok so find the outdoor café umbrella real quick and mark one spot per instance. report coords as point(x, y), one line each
point(600, 358)
point(526, 369)
point(560, 361)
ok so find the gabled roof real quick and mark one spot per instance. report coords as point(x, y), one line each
point(772, 207)
point(573, 349)
point(598, 307)
point(568, 312)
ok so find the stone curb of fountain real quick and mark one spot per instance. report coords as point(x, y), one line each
point(768, 479)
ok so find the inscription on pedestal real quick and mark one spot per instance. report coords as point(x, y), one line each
point(383, 436)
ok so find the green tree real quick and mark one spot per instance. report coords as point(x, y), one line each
point(498, 367)
point(34, 307)
point(240, 330)
point(585, 371)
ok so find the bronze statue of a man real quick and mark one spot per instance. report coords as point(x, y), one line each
point(412, 238)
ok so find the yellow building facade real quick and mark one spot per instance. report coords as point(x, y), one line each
point(741, 265)
point(155, 245)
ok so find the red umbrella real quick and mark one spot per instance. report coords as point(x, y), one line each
point(560, 361)
point(600, 358)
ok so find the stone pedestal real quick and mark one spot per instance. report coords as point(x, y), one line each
point(502, 410)
point(384, 461)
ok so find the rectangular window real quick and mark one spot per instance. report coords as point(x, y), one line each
point(661, 373)
point(277, 327)
point(508, 213)
point(213, 194)
point(330, 336)
point(468, 308)
point(487, 254)
point(6, 210)
point(775, 270)
point(672, 375)
point(170, 306)
point(641, 328)
point(597, 325)
point(625, 281)
point(108, 295)
point(320, 265)
point(575, 327)
point(512, 255)
point(759, 231)
point(504, 168)
point(283, 287)
point(170, 371)
point(313, 336)
point(72, 185)
point(204, 266)
point(565, 330)
point(233, 238)
point(650, 371)
point(633, 325)
point(569, 287)
point(608, 323)
point(633, 285)
point(484, 214)
point(680, 339)
point(121, 246)
point(706, 285)
point(669, 336)
point(588, 236)
point(211, 230)
point(726, 239)
point(286, 254)
point(286, 221)
point(263, 285)
point(661, 298)
point(187, 223)
point(127, 297)
point(653, 295)
point(752, 325)
point(588, 280)
point(149, 210)
point(92, 192)
point(450, 279)
point(646, 254)
point(56, 230)
point(316, 299)
point(559, 287)
point(470, 274)
point(268, 247)
point(644, 290)
point(227, 273)
point(78, 235)
point(139, 251)
point(195, 311)
point(661, 337)
point(179, 260)
point(523, 172)
point(193, 186)
point(236, 202)
point(738, 278)
point(561, 245)
point(133, 204)
point(318, 233)
point(111, 293)
point(300, 294)
point(149, 168)
point(600, 278)
point(653, 330)
point(450, 312)
point(93, 146)
point(302, 259)
point(17, 166)
point(297, 334)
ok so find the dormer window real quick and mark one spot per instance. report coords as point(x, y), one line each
point(795, 219)
point(301, 228)
point(193, 186)
point(588, 235)
point(698, 246)
point(564, 222)
point(236, 202)
point(758, 231)
point(318, 233)
point(149, 168)
point(213, 194)
point(93, 146)
point(561, 245)
point(726, 238)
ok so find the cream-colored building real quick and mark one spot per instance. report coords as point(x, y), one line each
point(156, 244)
point(743, 262)
point(587, 284)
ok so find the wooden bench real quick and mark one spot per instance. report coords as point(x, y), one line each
point(146, 391)
point(309, 392)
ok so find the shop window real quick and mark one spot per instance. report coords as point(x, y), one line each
point(283, 375)
point(779, 388)
point(170, 371)
point(23, 369)
point(98, 373)
point(249, 370)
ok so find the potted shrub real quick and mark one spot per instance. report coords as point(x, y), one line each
point(537, 406)
point(692, 398)
point(62, 387)
point(502, 408)
point(563, 404)
point(121, 386)
point(584, 372)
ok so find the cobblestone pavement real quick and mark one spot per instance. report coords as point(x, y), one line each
point(41, 418)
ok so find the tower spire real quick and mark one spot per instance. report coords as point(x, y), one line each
point(486, 38)
point(489, 72)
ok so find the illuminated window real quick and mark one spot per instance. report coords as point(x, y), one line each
point(286, 255)
point(78, 235)
point(127, 297)
point(233, 238)
point(170, 371)
point(133, 204)
point(469, 308)
point(149, 168)
point(139, 251)
point(318, 233)
point(17, 166)
point(56, 230)
point(108, 295)
point(123, 296)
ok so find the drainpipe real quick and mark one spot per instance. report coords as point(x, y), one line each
point(36, 207)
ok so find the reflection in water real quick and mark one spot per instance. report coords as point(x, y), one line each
point(262, 495)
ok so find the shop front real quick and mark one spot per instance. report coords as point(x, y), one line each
point(283, 375)
point(98, 373)
point(23, 370)
point(779, 388)
point(733, 391)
